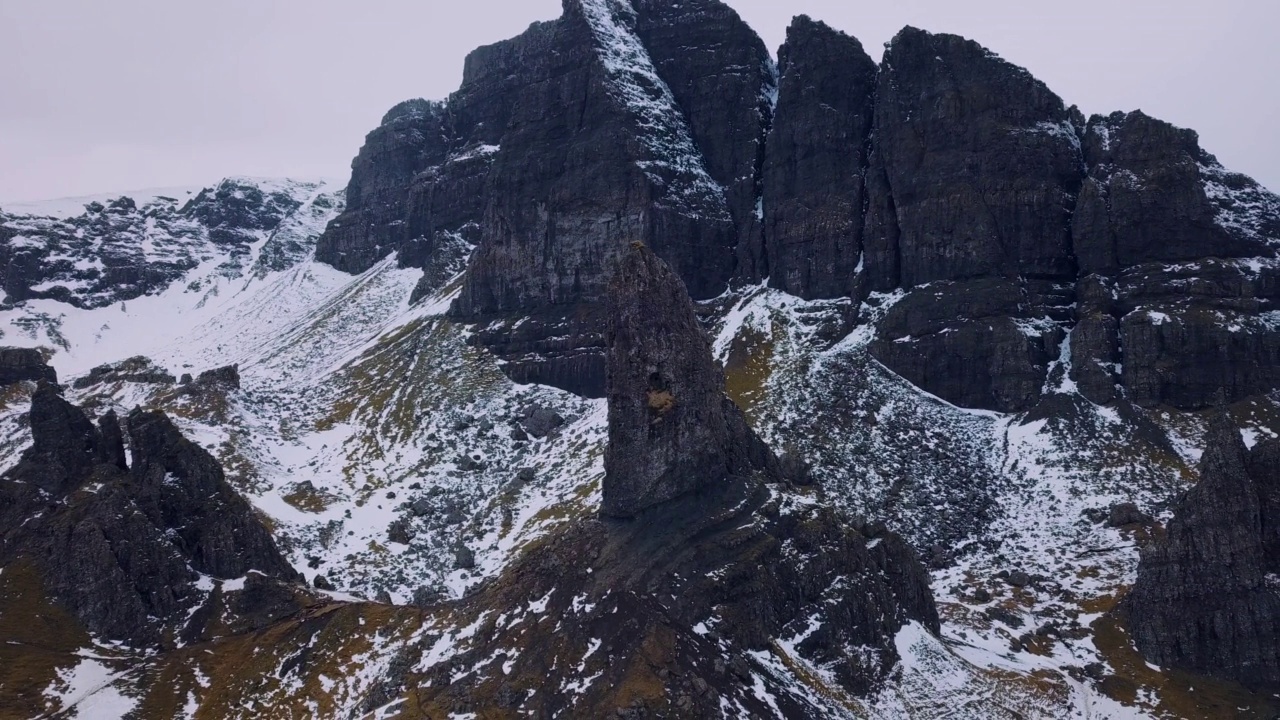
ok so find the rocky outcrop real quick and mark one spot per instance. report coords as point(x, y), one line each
point(966, 343)
point(982, 163)
point(137, 369)
point(19, 364)
point(1163, 224)
point(672, 430)
point(235, 209)
point(616, 122)
point(691, 537)
point(122, 546)
point(1205, 599)
point(227, 376)
point(684, 465)
point(1145, 198)
point(722, 79)
point(569, 190)
point(816, 160)
point(411, 138)
point(65, 444)
point(181, 487)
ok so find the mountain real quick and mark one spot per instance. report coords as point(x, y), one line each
point(645, 376)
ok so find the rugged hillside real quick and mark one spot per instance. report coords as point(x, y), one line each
point(644, 376)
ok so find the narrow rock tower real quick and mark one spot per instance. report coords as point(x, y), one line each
point(672, 430)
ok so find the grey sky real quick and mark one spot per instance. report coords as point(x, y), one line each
point(129, 94)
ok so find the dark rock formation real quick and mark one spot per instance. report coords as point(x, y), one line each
point(18, 364)
point(616, 122)
point(965, 343)
point(1160, 217)
point(672, 430)
point(1145, 198)
point(1095, 342)
point(982, 162)
point(227, 376)
point(691, 537)
point(943, 176)
point(137, 369)
point(65, 444)
point(1204, 600)
point(975, 168)
point(815, 161)
point(411, 138)
point(181, 487)
point(123, 547)
point(234, 209)
point(721, 77)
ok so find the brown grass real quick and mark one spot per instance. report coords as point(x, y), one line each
point(747, 370)
point(37, 638)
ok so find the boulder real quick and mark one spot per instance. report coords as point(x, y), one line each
point(18, 364)
point(1127, 513)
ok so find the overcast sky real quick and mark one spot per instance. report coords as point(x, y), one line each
point(129, 94)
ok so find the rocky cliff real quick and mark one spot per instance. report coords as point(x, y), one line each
point(775, 295)
point(18, 364)
point(118, 249)
point(1000, 220)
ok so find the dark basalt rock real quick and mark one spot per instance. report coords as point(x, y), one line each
point(943, 174)
point(815, 161)
point(1158, 215)
point(1095, 343)
point(227, 376)
point(137, 369)
point(982, 161)
point(122, 547)
point(690, 536)
point(182, 487)
point(19, 364)
point(1145, 200)
point(233, 209)
point(672, 430)
point(65, 444)
point(964, 342)
point(550, 163)
point(1196, 357)
point(721, 76)
point(974, 171)
point(1203, 601)
point(411, 137)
